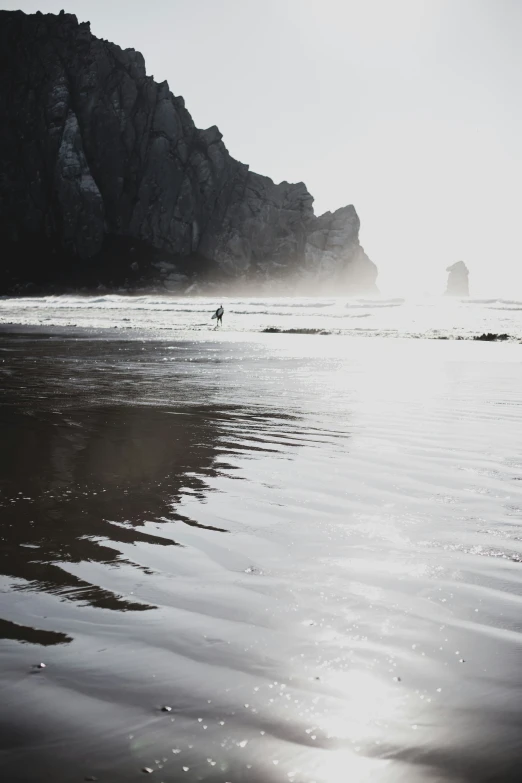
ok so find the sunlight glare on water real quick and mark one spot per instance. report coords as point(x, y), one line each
point(434, 317)
point(307, 546)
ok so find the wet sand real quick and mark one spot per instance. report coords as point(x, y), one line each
point(309, 550)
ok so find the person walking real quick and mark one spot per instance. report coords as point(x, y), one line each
point(218, 315)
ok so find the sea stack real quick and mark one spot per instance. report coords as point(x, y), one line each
point(106, 181)
point(458, 279)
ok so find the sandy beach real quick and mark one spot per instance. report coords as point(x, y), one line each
point(307, 548)
point(260, 392)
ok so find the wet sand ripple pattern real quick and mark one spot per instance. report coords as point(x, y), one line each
point(310, 552)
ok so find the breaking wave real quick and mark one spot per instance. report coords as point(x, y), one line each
point(431, 318)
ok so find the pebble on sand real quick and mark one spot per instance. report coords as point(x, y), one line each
point(40, 665)
point(166, 709)
point(147, 770)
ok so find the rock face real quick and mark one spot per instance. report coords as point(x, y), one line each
point(104, 179)
point(458, 279)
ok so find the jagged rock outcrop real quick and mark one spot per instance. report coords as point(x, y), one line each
point(104, 178)
point(458, 279)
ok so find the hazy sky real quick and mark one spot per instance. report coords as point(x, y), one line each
point(409, 109)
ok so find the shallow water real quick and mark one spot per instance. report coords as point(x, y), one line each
point(190, 317)
point(310, 549)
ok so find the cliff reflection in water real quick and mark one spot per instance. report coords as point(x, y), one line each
point(78, 475)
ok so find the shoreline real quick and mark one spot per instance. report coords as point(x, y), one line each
point(307, 549)
point(248, 318)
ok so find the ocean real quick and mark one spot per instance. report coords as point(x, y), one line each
point(250, 556)
point(428, 317)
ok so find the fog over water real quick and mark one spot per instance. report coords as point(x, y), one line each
point(432, 317)
point(287, 548)
point(409, 110)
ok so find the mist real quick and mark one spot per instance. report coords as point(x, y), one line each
point(260, 486)
point(411, 112)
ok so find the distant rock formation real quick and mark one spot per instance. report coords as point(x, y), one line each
point(458, 279)
point(104, 179)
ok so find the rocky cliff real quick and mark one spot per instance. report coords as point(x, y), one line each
point(104, 179)
point(458, 279)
